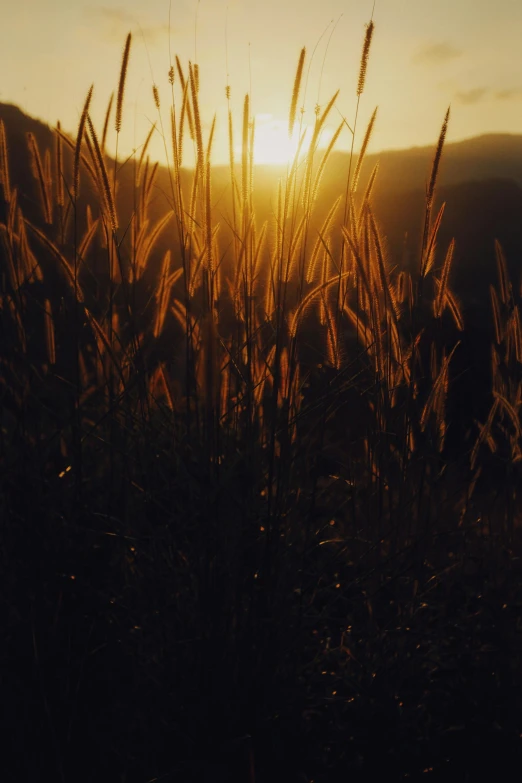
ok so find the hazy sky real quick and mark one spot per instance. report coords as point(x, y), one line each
point(426, 54)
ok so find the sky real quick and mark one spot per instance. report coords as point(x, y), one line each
point(425, 56)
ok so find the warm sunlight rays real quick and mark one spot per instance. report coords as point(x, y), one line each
point(272, 145)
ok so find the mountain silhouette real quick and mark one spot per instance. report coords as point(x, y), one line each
point(480, 184)
point(480, 181)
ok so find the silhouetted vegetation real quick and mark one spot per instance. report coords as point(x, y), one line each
point(259, 480)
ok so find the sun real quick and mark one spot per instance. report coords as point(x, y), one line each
point(272, 144)
point(274, 147)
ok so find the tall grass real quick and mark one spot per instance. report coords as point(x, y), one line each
point(251, 427)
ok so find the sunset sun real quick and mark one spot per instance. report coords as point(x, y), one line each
point(272, 144)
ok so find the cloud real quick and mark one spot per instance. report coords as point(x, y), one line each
point(117, 21)
point(437, 53)
point(514, 94)
point(470, 97)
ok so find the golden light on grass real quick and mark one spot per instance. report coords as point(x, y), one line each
point(262, 400)
point(272, 144)
point(240, 297)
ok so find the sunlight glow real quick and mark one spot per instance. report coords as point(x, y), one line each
point(272, 144)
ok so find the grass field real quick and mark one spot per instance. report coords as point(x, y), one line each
point(237, 544)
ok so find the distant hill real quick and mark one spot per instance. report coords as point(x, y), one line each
point(490, 156)
point(480, 181)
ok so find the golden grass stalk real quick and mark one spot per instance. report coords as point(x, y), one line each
point(121, 84)
point(322, 236)
point(7, 246)
point(48, 179)
point(64, 264)
point(503, 276)
point(333, 354)
point(225, 391)
point(485, 434)
point(186, 105)
point(366, 197)
point(324, 277)
point(103, 343)
point(195, 276)
point(295, 91)
point(293, 249)
point(364, 58)
point(429, 256)
point(4, 164)
point(279, 228)
point(319, 124)
point(324, 160)
point(148, 183)
point(233, 182)
point(360, 264)
point(31, 266)
point(400, 286)
point(142, 207)
point(244, 153)
point(307, 300)
point(231, 147)
point(379, 352)
point(391, 303)
point(78, 146)
point(438, 388)
point(431, 190)
point(364, 147)
point(455, 309)
point(86, 162)
point(208, 222)
point(252, 128)
point(436, 159)
point(13, 213)
point(83, 248)
point(517, 333)
point(156, 96)
point(60, 198)
point(151, 239)
point(440, 299)
point(106, 122)
point(270, 289)
point(103, 178)
point(43, 181)
point(499, 332)
point(197, 122)
point(284, 366)
point(364, 333)
point(160, 386)
point(143, 152)
point(208, 199)
point(175, 150)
